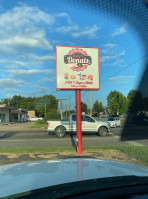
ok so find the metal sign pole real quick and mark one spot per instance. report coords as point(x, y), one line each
point(78, 121)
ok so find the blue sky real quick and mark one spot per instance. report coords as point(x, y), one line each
point(30, 31)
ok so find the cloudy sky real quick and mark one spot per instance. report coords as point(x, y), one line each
point(30, 31)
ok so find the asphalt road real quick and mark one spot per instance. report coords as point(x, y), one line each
point(40, 138)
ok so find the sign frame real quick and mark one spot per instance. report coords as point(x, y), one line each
point(58, 87)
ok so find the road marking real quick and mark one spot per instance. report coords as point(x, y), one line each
point(135, 143)
point(74, 139)
point(117, 137)
point(130, 142)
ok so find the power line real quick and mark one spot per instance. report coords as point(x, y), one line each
point(124, 68)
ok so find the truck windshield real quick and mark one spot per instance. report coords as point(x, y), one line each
point(86, 118)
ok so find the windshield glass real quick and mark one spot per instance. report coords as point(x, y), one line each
point(100, 49)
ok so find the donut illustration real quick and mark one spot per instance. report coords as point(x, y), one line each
point(72, 76)
point(90, 77)
point(66, 75)
point(83, 77)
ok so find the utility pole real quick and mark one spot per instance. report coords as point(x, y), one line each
point(66, 110)
point(61, 110)
point(61, 105)
point(90, 104)
point(45, 109)
point(87, 103)
point(69, 105)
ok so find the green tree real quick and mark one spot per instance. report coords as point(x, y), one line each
point(135, 101)
point(48, 102)
point(39, 104)
point(83, 107)
point(117, 102)
point(98, 107)
point(16, 101)
point(122, 104)
point(53, 116)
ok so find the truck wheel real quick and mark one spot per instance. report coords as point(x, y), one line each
point(102, 131)
point(60, 131)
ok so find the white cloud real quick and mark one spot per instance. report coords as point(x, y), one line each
point(77, 31)
point(13, 90)
point(86, 31)
point(120, 30)
point(120, 79)
point(28, 73)
point(30, 60)
point(23, 15)
point(116, 62)
point(46, 79)
point(40, 90)
point(21, 28)
point(21, 41)
point(106, 58)
point(122, 53)
point(44, 58)
point(20, 63)
point(71, 43)
point(64, 14)
point(113, 49)
point(110, 45)
point(108, 48)
point(66, 29)
point(113, 56)
point(10, 83)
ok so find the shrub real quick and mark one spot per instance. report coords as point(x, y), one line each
point(41, 121)
point(54, 115)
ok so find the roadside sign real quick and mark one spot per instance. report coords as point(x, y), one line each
point(77, 68)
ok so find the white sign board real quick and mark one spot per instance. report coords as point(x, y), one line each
point(77, 68)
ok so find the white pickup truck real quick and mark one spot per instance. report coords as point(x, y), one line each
point(89, 124)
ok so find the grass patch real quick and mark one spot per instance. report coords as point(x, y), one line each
point(35, 150)
point(38, 125)
point(138, 152)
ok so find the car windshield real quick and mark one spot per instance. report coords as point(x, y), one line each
point(60, 59)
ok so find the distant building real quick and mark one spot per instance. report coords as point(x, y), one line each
point(12, 114)
point(19, 115)
point(31, 113)
point(106, 113)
